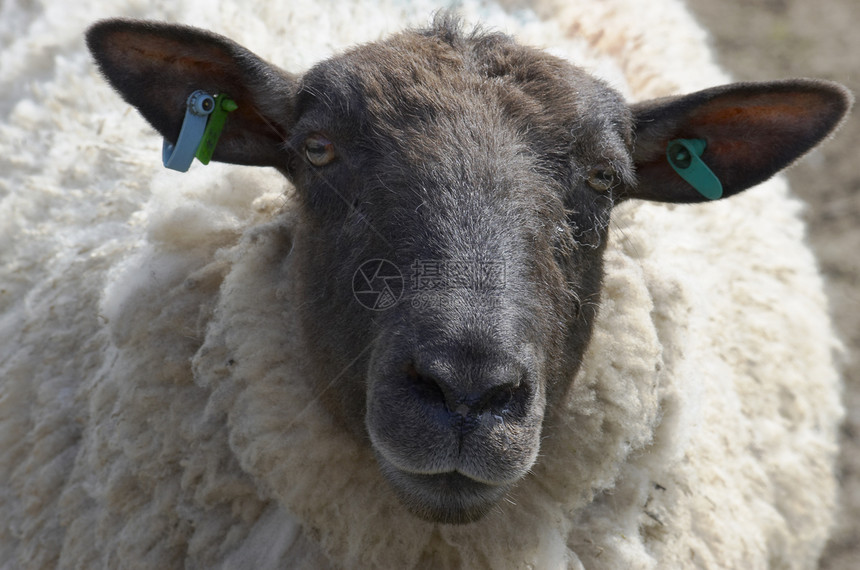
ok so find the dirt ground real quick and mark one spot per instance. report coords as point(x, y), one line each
point(772, 39)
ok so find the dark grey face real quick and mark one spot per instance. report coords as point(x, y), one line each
point(472, 180)
point(476, 168)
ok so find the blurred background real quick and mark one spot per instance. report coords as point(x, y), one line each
point(773, 39)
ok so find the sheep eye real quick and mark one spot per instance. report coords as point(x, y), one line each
point(319, 150)
point(602, 178)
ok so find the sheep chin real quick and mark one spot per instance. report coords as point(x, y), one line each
point(445, 498)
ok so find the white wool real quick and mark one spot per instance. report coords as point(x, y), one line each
point(154, 404)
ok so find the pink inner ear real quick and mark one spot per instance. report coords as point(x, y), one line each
point(751, 136)
point(766, 115)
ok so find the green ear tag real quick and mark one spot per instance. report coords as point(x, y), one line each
point(223, 105)
point(683, 155)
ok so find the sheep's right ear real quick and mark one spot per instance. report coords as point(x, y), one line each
point(156, 66)
point(750, 131)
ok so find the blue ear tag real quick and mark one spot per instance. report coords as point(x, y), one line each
point(683, 156)
point(195, 136)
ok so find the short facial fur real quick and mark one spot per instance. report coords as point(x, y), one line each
point(482, 157)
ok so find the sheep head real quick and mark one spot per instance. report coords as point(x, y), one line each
point(455, 192)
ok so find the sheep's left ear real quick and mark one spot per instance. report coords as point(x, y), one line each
point(751, 132)
point(156, 66)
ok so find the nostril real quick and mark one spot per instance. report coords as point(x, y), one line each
point(496, 398)
point(511, 397)
point(425, 387)
point(432, 391)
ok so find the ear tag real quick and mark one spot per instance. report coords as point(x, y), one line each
point(683, 156)
point(223, 105)
point(204, 120)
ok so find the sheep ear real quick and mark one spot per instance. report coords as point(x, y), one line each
point(751, 132)
point(155, 67)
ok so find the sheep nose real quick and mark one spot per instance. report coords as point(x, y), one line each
point(502, 390)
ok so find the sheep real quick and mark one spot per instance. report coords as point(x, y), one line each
point(192, 376)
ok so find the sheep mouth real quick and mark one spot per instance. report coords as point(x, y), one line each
point(448, 498)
